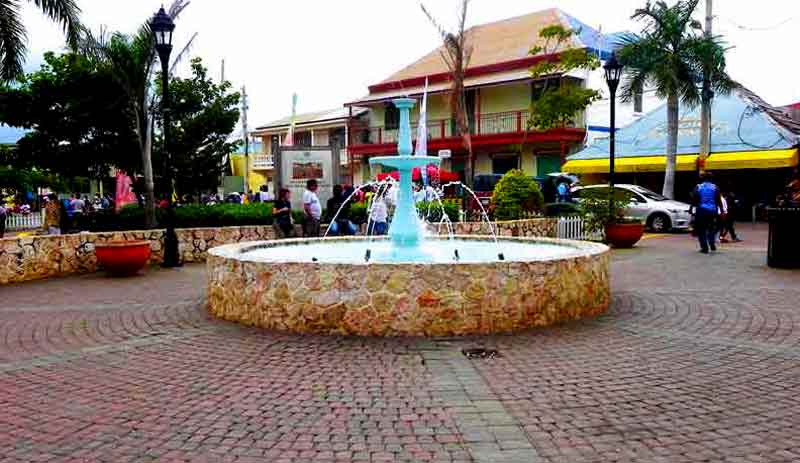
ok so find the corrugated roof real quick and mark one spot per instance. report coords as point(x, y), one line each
point(315, 117)
point(741, 121)
point(470, 82)
point(507, 40)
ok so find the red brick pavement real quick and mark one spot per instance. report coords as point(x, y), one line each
point(698, 360)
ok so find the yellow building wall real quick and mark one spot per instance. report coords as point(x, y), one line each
point(257, 178)
point(528, 163)
point(483, 164)
point(513, 97)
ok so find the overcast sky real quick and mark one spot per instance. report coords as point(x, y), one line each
point(330, 51)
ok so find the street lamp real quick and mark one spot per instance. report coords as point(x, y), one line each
point(613, 70)
point(162, 26)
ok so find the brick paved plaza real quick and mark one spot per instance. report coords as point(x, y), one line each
point(697, 360)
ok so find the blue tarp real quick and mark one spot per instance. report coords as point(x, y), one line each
point(740, 122)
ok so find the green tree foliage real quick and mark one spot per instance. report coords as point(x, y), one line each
point(516, 196)
point(131, 60)
point(77, 115)
point(560, 99)
point(671, 54)
point(13, 35)
point(204, 114)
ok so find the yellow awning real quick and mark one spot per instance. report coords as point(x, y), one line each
point(629, 165)
point(775, 159)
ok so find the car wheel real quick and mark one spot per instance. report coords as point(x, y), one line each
point(660, 223)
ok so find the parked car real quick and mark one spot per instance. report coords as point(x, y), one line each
point(659, 214)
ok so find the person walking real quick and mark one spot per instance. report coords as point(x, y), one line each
point(52, 215)
point(312, 209)
point(707, 202)
point(282, 215)
point(728, 221)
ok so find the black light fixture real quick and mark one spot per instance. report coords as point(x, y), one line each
point(162, 27)
point(613, 69)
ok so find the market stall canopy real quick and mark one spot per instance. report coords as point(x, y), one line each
point(433, 173)
point(746, 133)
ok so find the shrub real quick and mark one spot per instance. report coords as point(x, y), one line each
point(516, 196)
point(598, 210)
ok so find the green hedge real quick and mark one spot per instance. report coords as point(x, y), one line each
point(516, 196)
point(227, 215)
point(188, 216)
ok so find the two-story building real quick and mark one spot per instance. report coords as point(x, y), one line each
point(499, 90)
point(322, 128)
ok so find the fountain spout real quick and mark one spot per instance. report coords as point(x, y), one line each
point(405, 230)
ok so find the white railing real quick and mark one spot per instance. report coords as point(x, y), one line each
point(24, 221)
point(574, 228)
point(263, 161)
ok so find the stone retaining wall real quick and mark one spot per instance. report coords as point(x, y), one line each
point(397, 299)
point(36, 257)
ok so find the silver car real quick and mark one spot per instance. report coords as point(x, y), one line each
point(659, 213)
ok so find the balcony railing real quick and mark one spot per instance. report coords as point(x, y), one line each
point(487, 124)
point(263, 161)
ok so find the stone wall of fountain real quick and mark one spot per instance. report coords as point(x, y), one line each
point(384, 299)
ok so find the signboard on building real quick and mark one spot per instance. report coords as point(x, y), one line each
point(298, 165)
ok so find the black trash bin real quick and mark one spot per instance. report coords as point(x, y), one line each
point(784, 237)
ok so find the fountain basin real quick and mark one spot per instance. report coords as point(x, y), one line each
point(289, 292)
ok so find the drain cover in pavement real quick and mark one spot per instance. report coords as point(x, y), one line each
point(480, 353)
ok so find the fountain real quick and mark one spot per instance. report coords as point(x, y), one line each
point(407, 284)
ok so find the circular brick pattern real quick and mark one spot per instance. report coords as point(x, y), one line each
point(698, 359)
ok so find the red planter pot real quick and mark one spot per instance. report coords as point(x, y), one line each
point(624, 235)
point(123, 258)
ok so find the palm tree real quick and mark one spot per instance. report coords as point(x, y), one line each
point(132, 60)
point(672, 55)
point(456, 56)
point(13, 36)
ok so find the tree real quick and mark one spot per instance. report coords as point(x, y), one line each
point(204, 114)
point(77, 116)
point(670, 55)
point(131, 60)
point(13, 35)
point(456, 56)
point(556, 105)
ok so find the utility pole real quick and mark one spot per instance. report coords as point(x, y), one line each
point(222, 71)
point(707, 96)
point(246, 142)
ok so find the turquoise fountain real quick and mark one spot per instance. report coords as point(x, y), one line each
point(405, 231)
point(407, 284)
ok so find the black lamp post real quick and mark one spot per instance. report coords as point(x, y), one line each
point(162, 26)
point(613, 69)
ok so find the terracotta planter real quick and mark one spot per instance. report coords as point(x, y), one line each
point(123, 258)
point(624, 235)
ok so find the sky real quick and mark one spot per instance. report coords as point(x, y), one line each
point(328, 52)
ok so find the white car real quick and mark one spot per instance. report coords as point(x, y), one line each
point(659, 213)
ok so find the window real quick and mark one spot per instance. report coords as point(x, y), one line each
point(502, 164)
point(391, 117)
point(302, 139)
point(275, 144)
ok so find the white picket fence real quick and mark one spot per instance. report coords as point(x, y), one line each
point(574, 228)
point(24, 221)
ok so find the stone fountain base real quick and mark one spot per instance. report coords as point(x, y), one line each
point(407, 299)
